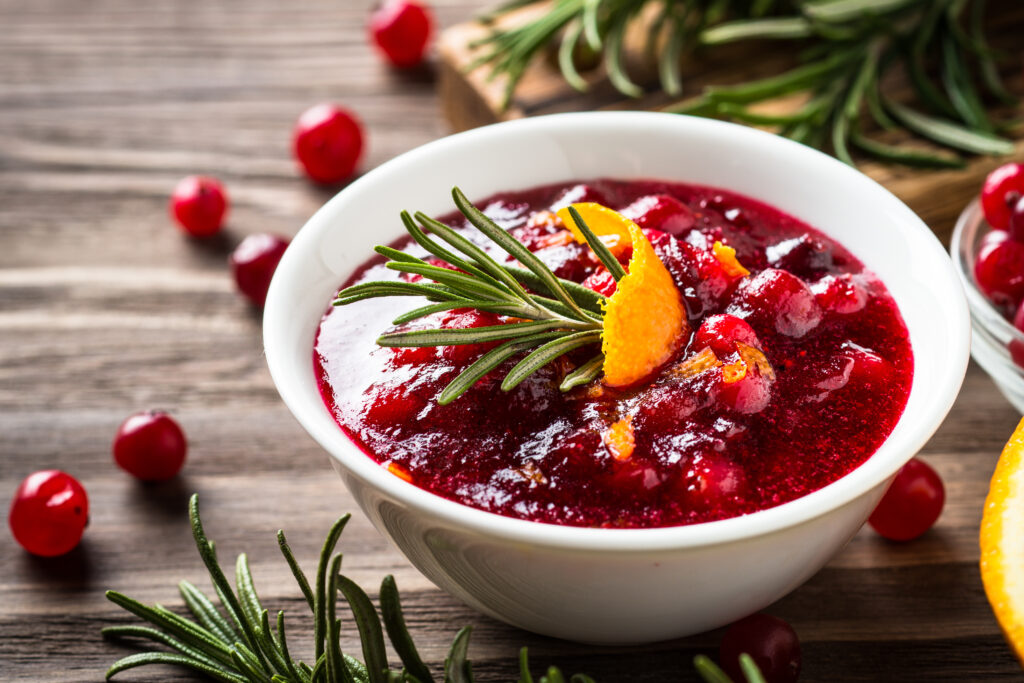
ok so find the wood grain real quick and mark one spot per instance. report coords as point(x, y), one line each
point(106, 309)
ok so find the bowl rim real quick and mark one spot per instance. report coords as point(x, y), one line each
point(851, 486)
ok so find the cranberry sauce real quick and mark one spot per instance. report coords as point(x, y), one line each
point(707, 442)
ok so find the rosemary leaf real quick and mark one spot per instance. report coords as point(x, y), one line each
point(587, 299)
point(145, 658)
point(320, 600)
point(584, 374)
point(599, 248)
point(524, 666)
point(250, 602)
point(841, 11)
point(762, 29)
point(337, 670)
point(948, 133)
point(163, 638)
point(903, 155)
point(614, 62)
point(960, 89)
point(456, 667)
point(398, 634)
point(206, 612)
point(370, 632)
point(545, 354)
point(300, 576)
point(709, 671)
point(282, 640)
point(487, 362)
point(567, 56)
point(471, 335)
point(436, 249)
point(467, 285)
point(750, 670)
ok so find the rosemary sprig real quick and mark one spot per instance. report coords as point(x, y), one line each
point(236, 644)
point(849, 48)
point(562, 317)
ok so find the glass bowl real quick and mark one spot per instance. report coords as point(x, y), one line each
point(995, 341)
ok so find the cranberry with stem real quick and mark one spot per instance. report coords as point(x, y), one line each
point(771, 643)
point(49, 513)
point(401, 31)
point(253, 263)
point(1000, 192)
point(150, 446)
point(328, 143)
point(912, 504)
point(199, 204)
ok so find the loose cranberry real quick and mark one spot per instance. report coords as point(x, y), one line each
point(869, 369)
point(1017, 220)
point(780, 299)
point(661, 212)
point(770, 642)
point(150, 446)
point(253, 263)
point(199, 204)
point(401, 30)
point(722, 331)
point(602, 282)
point(328, 142)
point(911, 505)
point(464, 318)
point(749, 395)
point(49, 513)
point(1000, 192)
point(999, 272)
point(840, 294)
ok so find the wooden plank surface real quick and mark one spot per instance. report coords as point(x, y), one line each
point(105, 309)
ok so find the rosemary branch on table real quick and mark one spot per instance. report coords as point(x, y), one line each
point(563, 317)
point(235, 642)
point(848, 49)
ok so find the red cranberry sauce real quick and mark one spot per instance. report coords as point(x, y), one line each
point(705, 448)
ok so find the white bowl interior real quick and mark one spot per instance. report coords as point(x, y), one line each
point(830, 196)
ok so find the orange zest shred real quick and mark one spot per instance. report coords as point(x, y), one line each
point(644, 320)
point(611, 227)
point(726, 255)
point(696, 364)
point(531, 473)
point(399, 471)
point(734, 372)
point(619, 439)
point(755, 357)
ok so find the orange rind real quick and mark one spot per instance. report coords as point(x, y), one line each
point(726, 256)
point(644, 320)
point(619, 440)
point(1002, 542)
point(614, 229)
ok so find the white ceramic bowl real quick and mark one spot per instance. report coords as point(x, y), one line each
point(620, 585)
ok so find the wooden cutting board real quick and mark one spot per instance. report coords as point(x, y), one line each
point(470, 99)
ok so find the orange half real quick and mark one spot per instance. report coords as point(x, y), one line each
point(1002, 542)
point(644, 320)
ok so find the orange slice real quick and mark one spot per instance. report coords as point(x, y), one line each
point(1002, 542)
point(644, 320)
point(612, 227)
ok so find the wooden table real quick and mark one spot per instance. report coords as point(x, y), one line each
point(106, 309)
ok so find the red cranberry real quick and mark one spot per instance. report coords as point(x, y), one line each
point(391, 406)
point(150, 446)
point(1000, 193)
point(749, 395)
point(722, 331)
point(413, 355)
point(1017, 220)
point(770, 642)
point(48, 513)
point(661, 212)
point(869, 369)
point(780, 299)
point(401, 30)
point(253, 263)
point(840, 294)
point(999, 272)
point(328, 142)
point(602, 282)
point(664, 407)
point(464, 318)
point(199, 204)
point(713, 480)
point(805, 256)
point(1016, 346)
point(911, 505)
